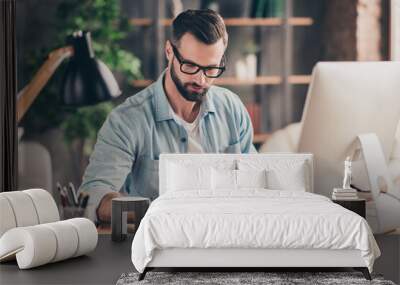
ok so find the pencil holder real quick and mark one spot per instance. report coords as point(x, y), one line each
point(72, 212)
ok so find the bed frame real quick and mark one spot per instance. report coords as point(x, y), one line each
point(242, 259)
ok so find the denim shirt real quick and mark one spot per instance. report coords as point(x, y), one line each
point(125, 156)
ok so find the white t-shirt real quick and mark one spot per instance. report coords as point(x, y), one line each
point(193, 130)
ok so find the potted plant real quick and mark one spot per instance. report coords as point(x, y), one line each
point(246, 67)
point(108, 28)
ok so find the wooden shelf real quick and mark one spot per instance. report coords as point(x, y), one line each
point(232, 81)
point(268, 21)
point(141, 21)
point(295, 21)
point(299, 79)
point(260, 80)
point(141, 83)
point(301, 21)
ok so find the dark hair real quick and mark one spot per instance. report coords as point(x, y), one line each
point(206, 25)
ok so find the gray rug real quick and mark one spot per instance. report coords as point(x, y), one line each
point(230, 278)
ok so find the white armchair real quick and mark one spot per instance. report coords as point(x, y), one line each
point(287, 140)
point(31, 231)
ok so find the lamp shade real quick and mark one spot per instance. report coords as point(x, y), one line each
point(87, 80)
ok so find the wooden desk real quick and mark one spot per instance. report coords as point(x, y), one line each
point(110, 259)
point(102, 266)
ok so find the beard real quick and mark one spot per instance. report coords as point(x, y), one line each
point(183, 88)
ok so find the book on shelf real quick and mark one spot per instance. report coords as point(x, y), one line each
point(254, 110)
point(267, 8)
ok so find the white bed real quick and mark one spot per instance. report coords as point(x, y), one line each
point(248, 226)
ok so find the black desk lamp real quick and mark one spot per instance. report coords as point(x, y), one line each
point(87, 80)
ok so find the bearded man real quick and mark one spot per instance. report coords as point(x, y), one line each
point(182, 112)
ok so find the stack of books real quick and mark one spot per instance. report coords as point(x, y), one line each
point(344, 194)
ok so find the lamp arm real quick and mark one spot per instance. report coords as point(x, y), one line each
point(29, 93)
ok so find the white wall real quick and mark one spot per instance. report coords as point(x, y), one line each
point(395, 30)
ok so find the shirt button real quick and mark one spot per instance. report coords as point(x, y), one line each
point(183, 140)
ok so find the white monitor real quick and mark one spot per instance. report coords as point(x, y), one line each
point(346, 99)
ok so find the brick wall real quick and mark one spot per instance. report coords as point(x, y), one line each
point(352, 30)
point(368, 32)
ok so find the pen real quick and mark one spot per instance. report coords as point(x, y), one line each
point(69, 195)
point(84, 203)
point(58, 186)
point(74, 194)
point(81, 195)
point(63, 200)
point(62, 196)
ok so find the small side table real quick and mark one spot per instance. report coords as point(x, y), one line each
point(357, 205)
point(119, 215)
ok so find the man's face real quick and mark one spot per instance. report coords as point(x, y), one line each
point(193, 87)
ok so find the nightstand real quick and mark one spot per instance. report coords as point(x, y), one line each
point(357, 205)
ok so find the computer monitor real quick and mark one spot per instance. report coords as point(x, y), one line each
point(346, 99)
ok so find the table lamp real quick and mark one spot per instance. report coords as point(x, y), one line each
point(87, 80)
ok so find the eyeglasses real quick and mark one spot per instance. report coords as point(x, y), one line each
point(189, 67)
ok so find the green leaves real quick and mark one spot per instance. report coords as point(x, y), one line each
point(86, 121)
point(103, 19)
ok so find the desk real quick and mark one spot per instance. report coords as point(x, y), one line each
point(389, 262)
point(102, 266)
point(110, 259)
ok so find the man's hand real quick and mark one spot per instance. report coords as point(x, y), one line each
point(104, 209)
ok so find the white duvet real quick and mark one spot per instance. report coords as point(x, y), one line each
point(252, 218)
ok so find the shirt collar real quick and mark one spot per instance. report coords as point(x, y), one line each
point(162, 107)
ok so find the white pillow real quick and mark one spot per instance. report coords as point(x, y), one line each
point(282, 174)
point(227, 179)
point(293, 178)
point(182, 177)
point(223, 179)
point(251, 178)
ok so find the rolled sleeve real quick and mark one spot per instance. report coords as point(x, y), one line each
point(110, 162)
